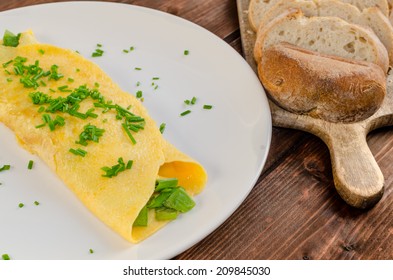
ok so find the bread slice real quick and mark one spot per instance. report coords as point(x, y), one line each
point(322, 86)
point(258, 8)
point(327, 35)
point(363, 4)
point(370, 17)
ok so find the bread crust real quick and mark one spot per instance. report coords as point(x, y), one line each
point(321, 86)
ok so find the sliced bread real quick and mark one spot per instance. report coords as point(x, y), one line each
point(370, 17)
point(258, 8)
point(327, 35)
point(363, 4)
point(322, 86)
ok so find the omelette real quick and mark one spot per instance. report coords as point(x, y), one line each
point(98, 139)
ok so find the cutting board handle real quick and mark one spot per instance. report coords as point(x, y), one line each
point(357, 176)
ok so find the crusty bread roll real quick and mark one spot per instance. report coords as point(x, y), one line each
point(326, 35)
point(370, 17)
point(322, 86)
point(257, 8)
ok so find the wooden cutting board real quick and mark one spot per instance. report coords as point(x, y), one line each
point(357, 176)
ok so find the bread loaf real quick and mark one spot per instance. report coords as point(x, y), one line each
point(322, 86)
point(369, 17)
point(326, 35)
point(257, 8)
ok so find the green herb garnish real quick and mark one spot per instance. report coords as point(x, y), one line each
point(116, 169)
point(6, 257)
point(36, 203)
point(185, 113)
point(207, 107)
point(139, 94)
point(54, 74)
point(162, 127)
point(78, 152)
point(97, 53)
point(5, 167)
point(186, 52)
point(21, 205)
point(168, 201)
point(30, 165)
point(142, 219)
point(90, 133)
point(10, 39)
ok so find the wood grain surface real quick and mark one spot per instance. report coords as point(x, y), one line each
point(294, 211)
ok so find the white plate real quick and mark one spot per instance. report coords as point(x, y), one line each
point(231, 140)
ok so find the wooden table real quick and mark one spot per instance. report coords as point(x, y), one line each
point(293, 212)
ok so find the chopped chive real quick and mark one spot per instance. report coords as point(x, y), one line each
point(30, 165)
point(207, 107)
point(185, 113)
point(40, 125)
point(54, 73)
point(5, 167)
point(36, 203)
point(97, 53)
point(99, 45)
point(91, 251)
point(90, 133)
point(7, 63)
point(41, 51)
point(9, 80)
point(70, 80)
point(193, 100)
point(139, 94)
point(64, 89)
point(129, 164)
point(138, 68)
point(129, 133)
point(20, 205)
point(115, 169)
point(77, 70)
point(187, 102)
point(6, 257)
point(126, 51)
point(138, 84)
point(186, 52)
point(43, 83)
point(162, 127)
point(132, 48)
point(156, 87)
point(78, 152)
point(156, 78)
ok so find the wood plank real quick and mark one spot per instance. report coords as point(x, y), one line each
point(295, 213)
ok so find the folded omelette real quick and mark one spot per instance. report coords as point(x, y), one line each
point(97, 138)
